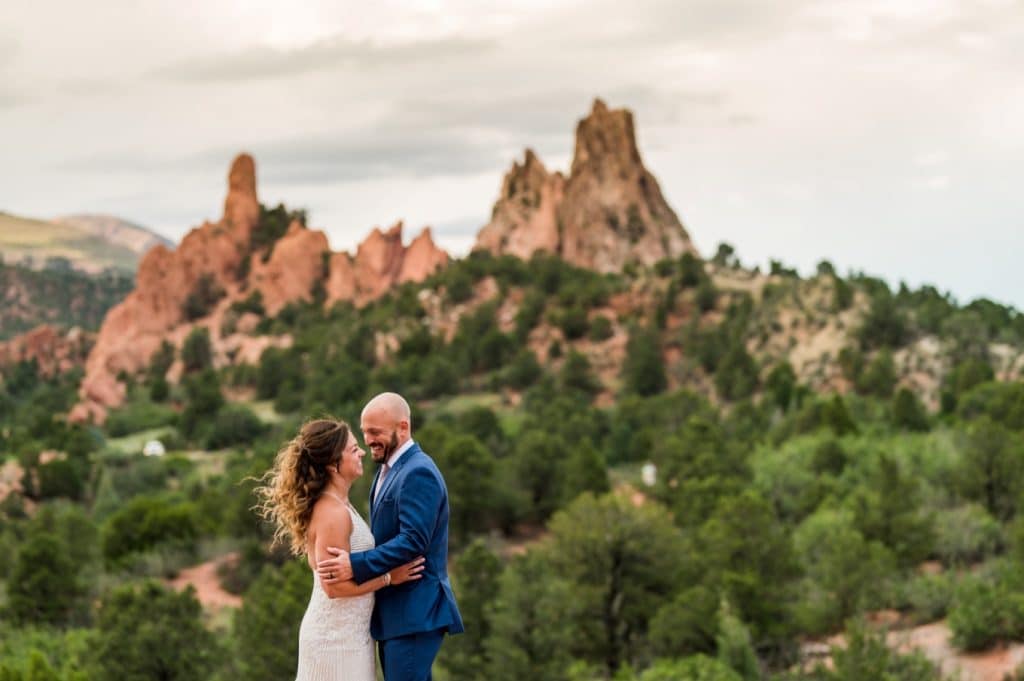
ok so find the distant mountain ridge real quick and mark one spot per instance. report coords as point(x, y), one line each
point(117, 231)
point(89, 243)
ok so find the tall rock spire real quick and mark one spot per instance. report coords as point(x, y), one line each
point(209, 256)
point(241, 206)
point(609, 212)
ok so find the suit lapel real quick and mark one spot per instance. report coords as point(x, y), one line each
point(393, 473)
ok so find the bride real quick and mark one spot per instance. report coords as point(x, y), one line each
point(306, 497)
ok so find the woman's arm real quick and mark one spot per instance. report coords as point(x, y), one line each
point(328, 529)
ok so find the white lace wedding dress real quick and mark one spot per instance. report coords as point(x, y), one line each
point(334, 639)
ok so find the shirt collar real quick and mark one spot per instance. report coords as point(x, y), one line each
point(398, 452)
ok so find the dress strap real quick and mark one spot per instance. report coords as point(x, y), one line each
point(335, 496)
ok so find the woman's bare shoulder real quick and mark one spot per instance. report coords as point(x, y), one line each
point(330, 510)
point(330, 513)
point(330, 525)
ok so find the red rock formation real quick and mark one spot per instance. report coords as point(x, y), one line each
point(525, 218)
point(53, 351)
point(133, 330)
point(241, 207)
point(215, 254)
point(609, 212)
point(341, 279)
point(295, 266)
point(422, 258)
point(380, 262)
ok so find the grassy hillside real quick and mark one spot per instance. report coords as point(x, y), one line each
point(39, 240)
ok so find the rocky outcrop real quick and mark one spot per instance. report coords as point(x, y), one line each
point(296, 265)
point(216, 263)
point(422, 258)
point(382, 261)
point(613, 210)
point(209, 255)
point(54, 351)
point(607, 213)
point(525, 218)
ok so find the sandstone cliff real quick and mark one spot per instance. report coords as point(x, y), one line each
point(209, 255)
point(216, 265)
point(525, 218)
point(382, 261)
point(607, 213)
point(295, 266)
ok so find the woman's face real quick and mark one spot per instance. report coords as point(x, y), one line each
point(351, 466)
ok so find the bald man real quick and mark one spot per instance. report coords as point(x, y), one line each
point(409, 518)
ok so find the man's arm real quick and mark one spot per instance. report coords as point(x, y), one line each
point(421, 498)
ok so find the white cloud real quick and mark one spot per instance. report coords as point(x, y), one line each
point(931, 158)
point(265, 61)
point(763, 128)
point(933, 182)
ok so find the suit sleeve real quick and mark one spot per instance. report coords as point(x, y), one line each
point(419, 504)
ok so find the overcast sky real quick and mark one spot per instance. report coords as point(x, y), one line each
point(884, 135)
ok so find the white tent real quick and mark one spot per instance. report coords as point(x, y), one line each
point(649, 474)
point(154, 448)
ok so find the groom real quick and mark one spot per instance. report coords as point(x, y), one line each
point(409, 518)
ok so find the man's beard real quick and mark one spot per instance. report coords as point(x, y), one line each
point(387, 450)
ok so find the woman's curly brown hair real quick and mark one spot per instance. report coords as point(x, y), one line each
point(291, 488)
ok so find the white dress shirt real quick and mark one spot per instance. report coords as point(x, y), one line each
point(393, 459)
point(390, 463)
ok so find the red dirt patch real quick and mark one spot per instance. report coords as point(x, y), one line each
point(204, 580)
point(934, 640)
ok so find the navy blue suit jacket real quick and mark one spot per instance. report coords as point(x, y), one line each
point(409, 519)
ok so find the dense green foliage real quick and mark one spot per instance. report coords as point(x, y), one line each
point(643, 370)
point(266, 627)
point(60, 296)
point(777, 514)
point(150, 632)
point(44, 584)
